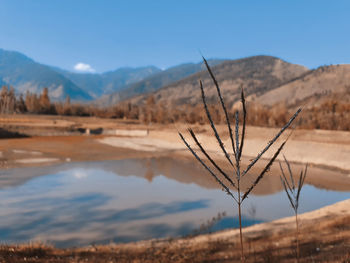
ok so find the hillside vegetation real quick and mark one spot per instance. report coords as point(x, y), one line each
point(312, 89)
point(156, 81)
point(257, 75)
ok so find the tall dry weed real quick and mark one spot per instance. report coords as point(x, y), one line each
point(231, 182)
point(293, 190)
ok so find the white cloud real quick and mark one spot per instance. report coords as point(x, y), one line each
point(79, 174)
point(82, 67)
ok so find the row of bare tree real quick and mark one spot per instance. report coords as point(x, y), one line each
point(32, 103)
point(331, 114)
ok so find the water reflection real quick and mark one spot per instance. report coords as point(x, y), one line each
point(184, 171)
point(128, 200)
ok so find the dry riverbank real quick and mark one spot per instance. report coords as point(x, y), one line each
point(326, 241)
point(317, 147)
point(321, 149)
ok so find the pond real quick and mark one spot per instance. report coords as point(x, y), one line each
point(76, 204)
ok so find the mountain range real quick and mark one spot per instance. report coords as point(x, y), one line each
point(313, 88)
point(24, 74)
point(156, 81)
point(112, 81)
point(266, 79)
point(258, 75)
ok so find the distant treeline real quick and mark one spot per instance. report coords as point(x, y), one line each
point(331, 114)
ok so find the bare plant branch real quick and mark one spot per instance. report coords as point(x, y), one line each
point(222, 104)
point(213, 126)
point(284, 177)
point(272, 141)
point(225, 188)
point(237, 136)
point(293, 193)
point(261, 175)
point(301, 182)
point(288, 195)
point(210, 159)
point(243, 125)
point(290, 173)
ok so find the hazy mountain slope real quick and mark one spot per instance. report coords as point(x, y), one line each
point(323, 82)
point(89, 82)
point(156, 81)
point(257, 74)
point(24, 74)
point(108, 82)
point(126, 76)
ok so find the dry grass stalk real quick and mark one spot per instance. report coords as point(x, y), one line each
point(233, 181)
point(293, 193)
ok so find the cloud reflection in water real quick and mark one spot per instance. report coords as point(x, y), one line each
point(83, 203)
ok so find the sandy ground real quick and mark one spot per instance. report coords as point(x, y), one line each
point(316, 147)
point(321, 149)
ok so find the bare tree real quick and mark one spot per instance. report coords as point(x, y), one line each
point(7, 100)
point(44, 101)
point(3, 99)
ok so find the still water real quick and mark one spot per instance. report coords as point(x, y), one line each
point(78, 204)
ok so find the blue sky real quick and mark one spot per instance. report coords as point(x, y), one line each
point(110, 34)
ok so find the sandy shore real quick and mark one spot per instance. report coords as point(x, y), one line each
point(323, 148)
point(316, 147)
point(320, 149)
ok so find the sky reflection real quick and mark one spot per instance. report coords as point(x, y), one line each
point(83, 203)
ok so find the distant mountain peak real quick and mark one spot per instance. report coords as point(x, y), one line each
point(24, 74)
point(157, 81)
point(258, 74)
